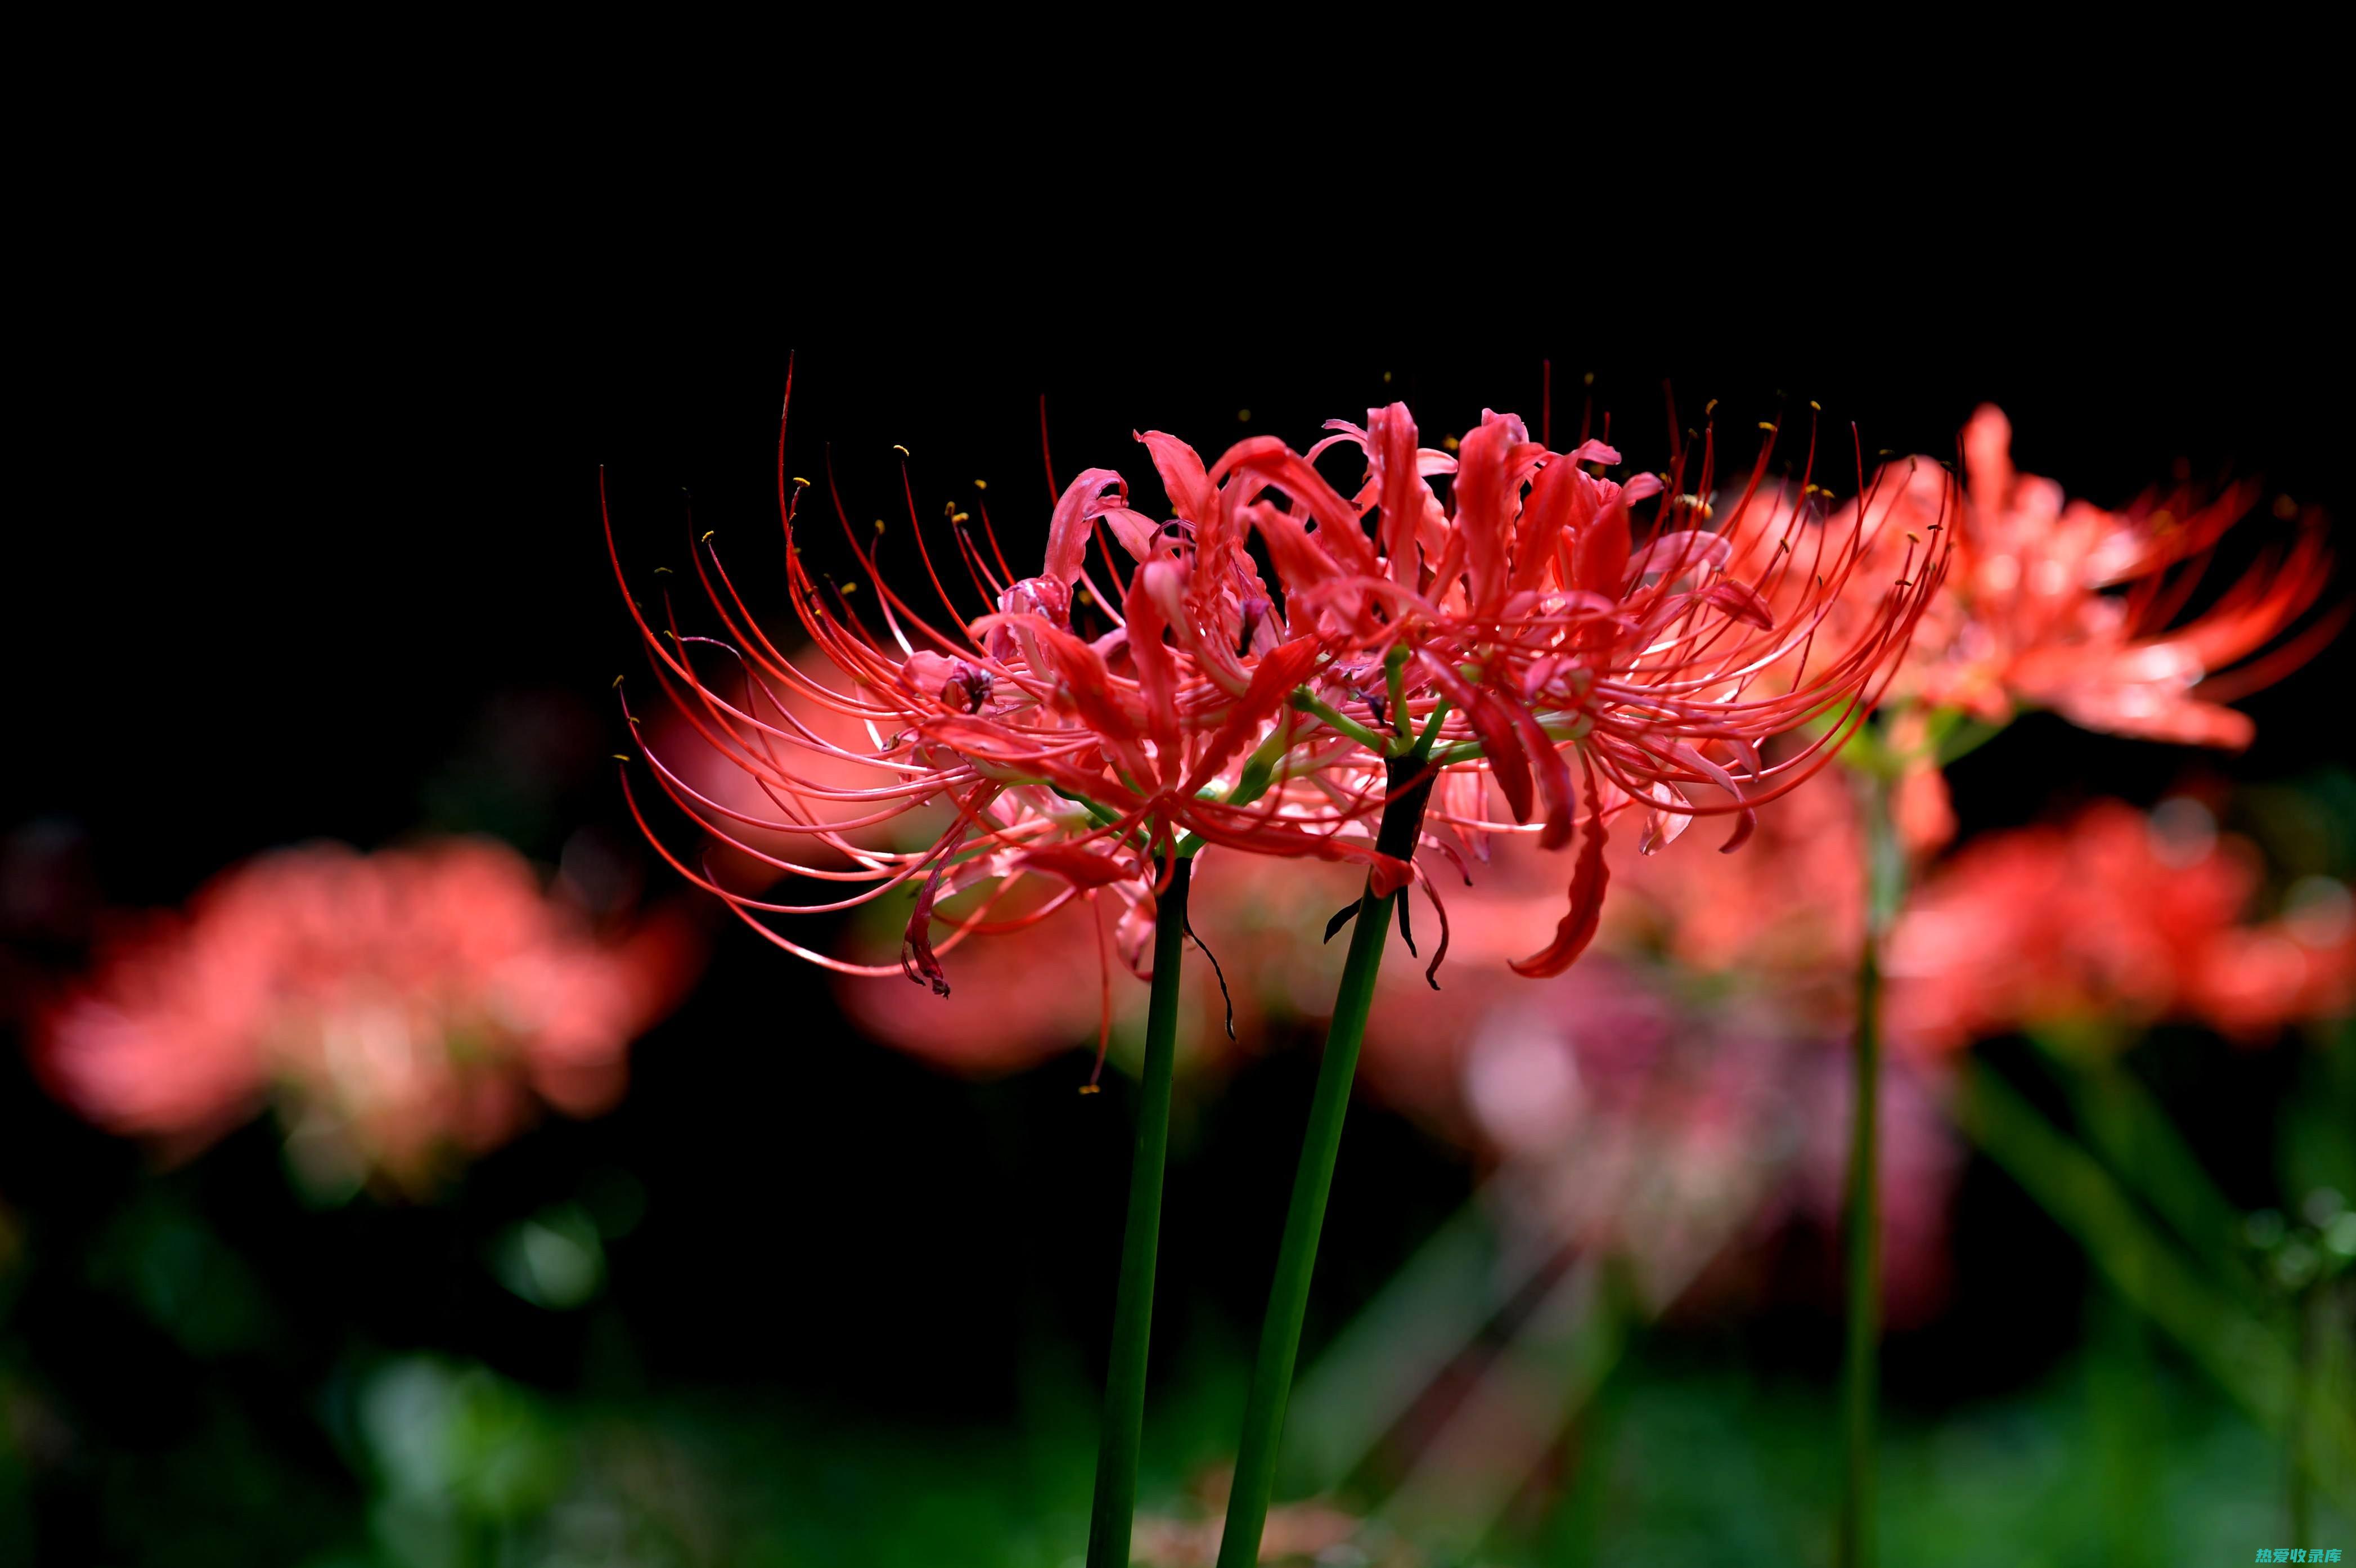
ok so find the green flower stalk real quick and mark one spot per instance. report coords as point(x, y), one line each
point(1296, 1259)
point(1885, 864)
point(1115, 1507)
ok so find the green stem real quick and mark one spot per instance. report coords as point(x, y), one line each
point(1114, 1509)
point(1296, 1257)
point(1431, 727)
point(1303, 702)
point(1395, 679)
point(2302, 1396)
point(2122, 1421)
point(1860, 1207)
point(1860, 1251)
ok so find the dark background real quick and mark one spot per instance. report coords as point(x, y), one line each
point(307, 545)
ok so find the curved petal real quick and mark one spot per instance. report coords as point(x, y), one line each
point(1588, 877)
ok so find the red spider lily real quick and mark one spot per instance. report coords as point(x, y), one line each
point(403, 1007)
point(2112, 919)
point(2030, 618)
point(2034, 570)
point(1535, 623)
point(1058, 760)
point(1519, 625)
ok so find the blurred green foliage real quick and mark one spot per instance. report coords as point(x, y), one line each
point(1683, 1456)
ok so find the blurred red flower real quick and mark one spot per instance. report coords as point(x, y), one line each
point(2042, 631)
point(402, 1009)
point(2108, 922)
point(2064, 606)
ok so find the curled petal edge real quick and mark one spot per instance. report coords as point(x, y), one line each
point(1588, 877)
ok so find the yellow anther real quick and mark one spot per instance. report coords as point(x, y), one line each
point(621, 757)
point(1588, 380)
point(1815, 405)
point(900, 450)
point(982, 484)
point(1710, 407)
point(802, 482)
point(665, 571)
point(879, 525)
point(1764, 425)
point(1386, 377)
point(1087, 1089)
point(959, 517)
point(1243, 417)
point(1449, 441)
point(619, 679)
point(708, 533)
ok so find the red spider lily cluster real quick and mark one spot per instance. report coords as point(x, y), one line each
point(2061, 605)
point(1528, 648)
point(402, 1008)
point(2112, 919)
